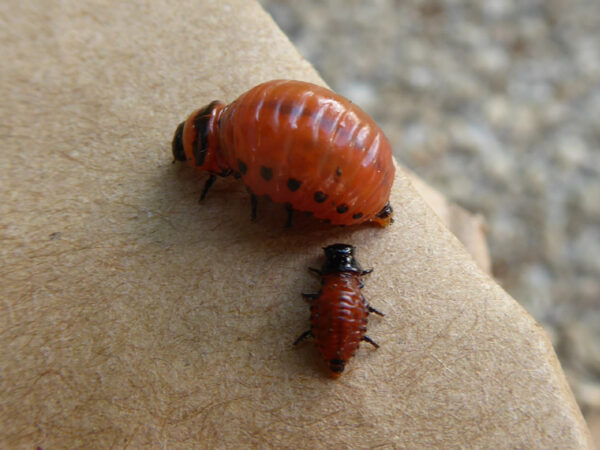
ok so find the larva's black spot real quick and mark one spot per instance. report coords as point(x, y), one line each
point(237, 175)
point(267, 197)
point(293, 184)
point(243, 167)
point(266, 173)
point(342, 209)
point(320, 197)
point(338, 172)
point(357, 216)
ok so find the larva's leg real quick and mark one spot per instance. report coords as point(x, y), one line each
point(370, 309)
point(253, 205)
point(313, 270)
point(303, 336)
point(373, 310)
point(290, 213)
point(207, 186)
point(370, 341)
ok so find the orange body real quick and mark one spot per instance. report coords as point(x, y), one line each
point(339, 317)
point(299, 144)
point(338, 313)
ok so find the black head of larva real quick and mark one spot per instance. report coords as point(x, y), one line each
point(340, 258)
point(196, 140)
point(177, 145)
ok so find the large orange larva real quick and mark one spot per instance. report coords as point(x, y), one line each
point(299, 144)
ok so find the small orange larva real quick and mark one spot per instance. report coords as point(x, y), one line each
point(339, 311)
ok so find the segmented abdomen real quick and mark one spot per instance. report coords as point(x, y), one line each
point(339, 316)
point(301, 144)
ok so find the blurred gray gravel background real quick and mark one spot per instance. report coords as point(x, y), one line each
point(496, 103)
